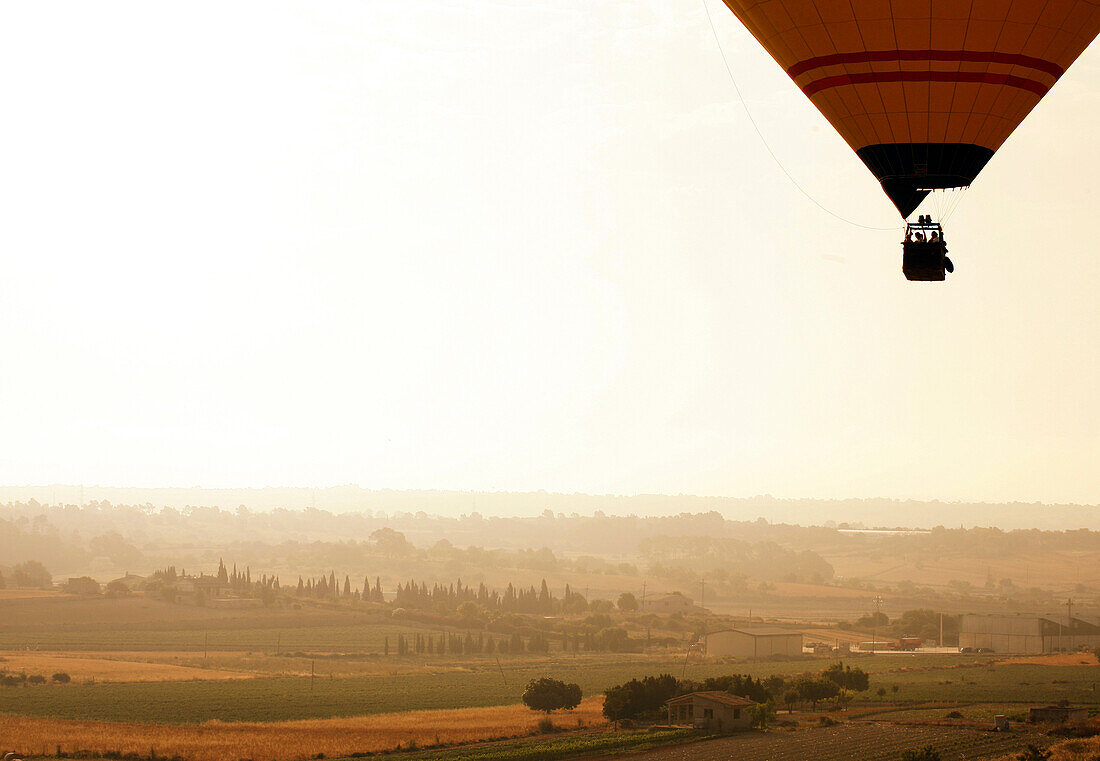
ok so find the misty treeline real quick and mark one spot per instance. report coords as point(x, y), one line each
point(142, 527)
point(102, 539)
point(726, 558)
point(351, 498)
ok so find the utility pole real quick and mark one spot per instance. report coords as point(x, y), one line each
point(1069, 621)
point(643, 596)
point(312, 674)
point(702, 597)
point(941, 628)
point(874, 623)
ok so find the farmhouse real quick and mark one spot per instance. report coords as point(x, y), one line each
point(676, 602)
point(754, 642)
point(711, 710)
point(1058, 714)
point(1028, 634)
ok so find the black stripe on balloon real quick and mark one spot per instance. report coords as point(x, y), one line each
point(965, 56)
point(925, 76)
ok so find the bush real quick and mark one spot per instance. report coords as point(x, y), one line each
point(927, 753)
point(546, 726)
point(36, 679)
point(61, 678)
point(1033, 753)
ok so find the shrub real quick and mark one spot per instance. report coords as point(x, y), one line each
point(1033, 753)
point(61, 678)
point(546, 726)
point(36, 679)
point(927, 753)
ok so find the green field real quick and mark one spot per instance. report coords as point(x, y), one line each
point(368, 638)
point(278, 699)
point(411, 686)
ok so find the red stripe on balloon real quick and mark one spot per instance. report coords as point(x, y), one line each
point(967, 56)
point(925, 76)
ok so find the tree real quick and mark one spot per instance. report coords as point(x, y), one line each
point(845, 676)
point(117, 587)
point(626, 701)
point(32, 574)
point(613, 639)
point(815, 690)
point(391, 543)
point(627, 603)
point(551, 694)
point(83, 585)
point(790, 697)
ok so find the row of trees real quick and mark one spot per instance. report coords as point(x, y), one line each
point(644, 698)
point(449, 643)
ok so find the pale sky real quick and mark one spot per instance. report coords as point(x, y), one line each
point(513, 245)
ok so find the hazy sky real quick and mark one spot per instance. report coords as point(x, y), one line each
point(513, 244)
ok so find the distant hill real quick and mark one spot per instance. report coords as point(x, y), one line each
point(867, 513)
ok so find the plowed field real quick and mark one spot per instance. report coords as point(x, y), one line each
point(865, 742)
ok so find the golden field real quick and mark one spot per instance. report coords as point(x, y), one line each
point(31, 594)
point(289, 740)
point(83, 668)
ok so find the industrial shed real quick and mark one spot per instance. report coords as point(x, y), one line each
point(1028, 634)
point(754, 642)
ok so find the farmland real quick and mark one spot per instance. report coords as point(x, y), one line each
point(865, 741)
point(407, 684)
point(84, 668)
point(286, 741)
point(284, 699)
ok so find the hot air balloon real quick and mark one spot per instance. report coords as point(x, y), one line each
point(924, 91)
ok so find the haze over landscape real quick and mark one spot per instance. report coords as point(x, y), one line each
point(499, 381)
point(511, 247)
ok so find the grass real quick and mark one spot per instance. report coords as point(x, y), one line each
point(286, 741)
point(288, 698)
point(368, 638)
point(87, 668)
point(1003, 683)
point(413, 684)
point(560, 748)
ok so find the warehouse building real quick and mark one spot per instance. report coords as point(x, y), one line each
point(754, 642)
point(1028, 633)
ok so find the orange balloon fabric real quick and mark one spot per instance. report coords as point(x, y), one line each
point(925, 91)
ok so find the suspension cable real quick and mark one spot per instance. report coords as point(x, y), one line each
point(764, 141)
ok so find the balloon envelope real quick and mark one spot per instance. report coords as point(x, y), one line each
point(925, 91)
